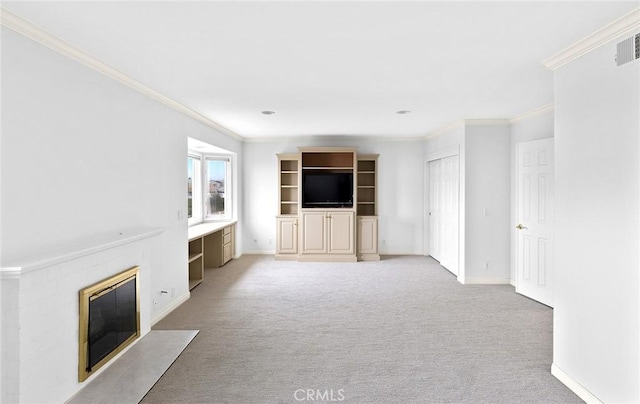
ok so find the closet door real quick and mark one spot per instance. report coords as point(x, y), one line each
point(435, 197)
point(444, 211)
point(449, 213)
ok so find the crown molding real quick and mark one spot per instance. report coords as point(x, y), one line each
point(616, 28)
point(323, 138)
point(533, 113)
point(51, 41)
point(486, 122)
point(445, 129)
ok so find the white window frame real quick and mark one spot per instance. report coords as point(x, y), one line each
point(197, 214)
point(200, 187)
point(228, 186)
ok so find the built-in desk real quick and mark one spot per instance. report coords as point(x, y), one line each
point(211, 245)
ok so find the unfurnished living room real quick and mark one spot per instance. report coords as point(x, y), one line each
point(320, 201)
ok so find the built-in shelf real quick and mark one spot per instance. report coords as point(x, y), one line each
point(366, 200)
point(288, 182)
point(194, 256)
point(327, 168)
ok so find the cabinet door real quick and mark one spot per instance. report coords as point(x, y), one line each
point(287, 241)
point(367, 235)
point(314, 233)
point(341, 235)
point(226, 253)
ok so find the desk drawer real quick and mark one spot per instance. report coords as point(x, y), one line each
point(226, 253)
point(226, 239)
point(226, 230)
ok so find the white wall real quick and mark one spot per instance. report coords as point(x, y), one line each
point(83, 155)
point(484, 184)
point(399, 190)
point(487, 194)
point(539, 127)
point(597, 308)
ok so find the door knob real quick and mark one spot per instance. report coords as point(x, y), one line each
point(520, 227)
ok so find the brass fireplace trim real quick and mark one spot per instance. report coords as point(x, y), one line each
point(91, 292)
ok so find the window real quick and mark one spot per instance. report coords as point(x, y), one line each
point(217, 187)
point(209, 188)
point(194, 189)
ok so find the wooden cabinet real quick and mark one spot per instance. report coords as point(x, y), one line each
point(287, 237)
point(315, 229)
point(341, 234)
point(314, 232)
point(288, 206)
point(211, 245)
point(329, 233)
point(367, 231)
point(367, 228)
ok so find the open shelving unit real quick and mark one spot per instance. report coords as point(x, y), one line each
point(196, 263)
point(288, 184)
point(367, 182)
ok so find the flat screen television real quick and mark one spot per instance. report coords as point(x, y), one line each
point(327, 190)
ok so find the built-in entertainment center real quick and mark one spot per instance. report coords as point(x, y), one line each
point(327, 205)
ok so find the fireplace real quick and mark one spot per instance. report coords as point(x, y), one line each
point(109, 320)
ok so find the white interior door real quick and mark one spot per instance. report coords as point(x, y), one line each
point(444, 211)
point(535, 192)
point(449, 178)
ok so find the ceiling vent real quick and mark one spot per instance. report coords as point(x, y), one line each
point(628, 50)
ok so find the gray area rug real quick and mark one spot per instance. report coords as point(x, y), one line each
point(401, 330)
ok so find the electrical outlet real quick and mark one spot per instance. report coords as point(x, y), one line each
point(155, 303)
point(486, 265)
point(180, 214)
point(270, 241)
point(384, 242)
point(255, 240)
point(173, 292)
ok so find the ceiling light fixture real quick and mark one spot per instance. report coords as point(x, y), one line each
point(268, 112)
point(403, 112)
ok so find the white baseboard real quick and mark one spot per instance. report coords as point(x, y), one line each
point(171, 307)
point(486, 281)
point(574, 386)
point(513, 282)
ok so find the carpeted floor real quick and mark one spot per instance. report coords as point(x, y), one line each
point(401, 330)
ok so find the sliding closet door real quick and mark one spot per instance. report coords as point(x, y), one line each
point(444, 211)
point(435, 197)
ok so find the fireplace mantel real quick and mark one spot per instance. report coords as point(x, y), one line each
point(14, 268)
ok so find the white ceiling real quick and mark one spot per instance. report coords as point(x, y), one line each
point(332, 68)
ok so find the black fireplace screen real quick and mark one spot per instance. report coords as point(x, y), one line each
point(109, 320)
point(112, 320)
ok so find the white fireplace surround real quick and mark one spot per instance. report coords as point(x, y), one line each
point(40, 313)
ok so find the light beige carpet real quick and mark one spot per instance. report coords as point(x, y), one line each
point(401, 330)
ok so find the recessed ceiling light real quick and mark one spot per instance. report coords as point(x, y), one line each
point(403, 112)
point(268, 112)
